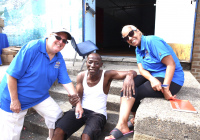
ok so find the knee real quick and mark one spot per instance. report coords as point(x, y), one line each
point(85, 137)
point(59, 132)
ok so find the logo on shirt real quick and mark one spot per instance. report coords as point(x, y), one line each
point(146, 54)
point(57, 65)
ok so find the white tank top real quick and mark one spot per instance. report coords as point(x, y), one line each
point(94, 97)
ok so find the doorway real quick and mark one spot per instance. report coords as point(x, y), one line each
point(112, 15)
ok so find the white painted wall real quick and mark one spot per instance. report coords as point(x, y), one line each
point(175, 20)
point(70, 17)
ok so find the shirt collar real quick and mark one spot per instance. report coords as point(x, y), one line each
point(42, 47)
point(143, 40)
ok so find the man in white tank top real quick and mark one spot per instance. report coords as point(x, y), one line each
point(92, 88)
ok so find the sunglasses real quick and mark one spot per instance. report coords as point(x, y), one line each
point(59, 38)
point(130, 34)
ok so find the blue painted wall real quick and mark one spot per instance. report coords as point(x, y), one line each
point(27, 20)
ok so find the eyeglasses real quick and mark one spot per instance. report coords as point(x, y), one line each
point(130, 34)
point(59, 38)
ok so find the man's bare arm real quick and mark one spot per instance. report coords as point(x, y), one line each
point(120, 75)
point(71, 90)
point(79, 85)
point(128, 76)
point(74, 99)
point(15, 104)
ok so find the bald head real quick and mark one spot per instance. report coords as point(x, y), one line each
point(96, 55)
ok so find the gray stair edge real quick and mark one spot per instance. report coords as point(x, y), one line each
point(27, 135)
point(115, 87)
point(115, 83)
point(35, 123)
point(74, 70)
point(126, 60)
point(188, 92)
point(59, 93)
point(155, 117)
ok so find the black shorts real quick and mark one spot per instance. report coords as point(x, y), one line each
point(94, 123)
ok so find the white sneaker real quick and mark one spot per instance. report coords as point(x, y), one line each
point(48, 138)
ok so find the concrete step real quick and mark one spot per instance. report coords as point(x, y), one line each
point(155, 118)
point(74, 70)
point(35, 123)
point(27, 135)
point(115, 87)
point(119, 60)
point(127, 61)
point(59, 93)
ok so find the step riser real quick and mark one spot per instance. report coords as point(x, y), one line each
point(185, 66)
point(38, 126)
point(113, 90)
point(148, 110)
point(120, 63)
point(72, 71)
point(35, 128)
point(63, 97)
point(41, 130)
point(130, 62)
point(44, 131)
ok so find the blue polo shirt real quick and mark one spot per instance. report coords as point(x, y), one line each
point(35, 74)
point(152, 50)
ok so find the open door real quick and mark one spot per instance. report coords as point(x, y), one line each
point(175, 23)
point(89, 20)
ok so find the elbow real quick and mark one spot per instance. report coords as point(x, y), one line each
point(134, 73)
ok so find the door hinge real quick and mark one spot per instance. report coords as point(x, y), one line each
point(89, 9)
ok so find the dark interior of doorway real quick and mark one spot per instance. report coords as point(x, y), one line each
point(112, 15)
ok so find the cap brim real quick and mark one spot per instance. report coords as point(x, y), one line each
point(69, 37)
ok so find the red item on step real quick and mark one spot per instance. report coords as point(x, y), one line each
point(182, 105)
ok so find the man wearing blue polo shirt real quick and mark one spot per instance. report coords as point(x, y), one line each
point(30, 75)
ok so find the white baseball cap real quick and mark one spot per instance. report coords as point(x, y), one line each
point(64, 30)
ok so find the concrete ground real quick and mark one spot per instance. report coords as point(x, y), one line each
point(154, 119)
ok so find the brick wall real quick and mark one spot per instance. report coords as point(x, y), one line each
point(195, 66)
